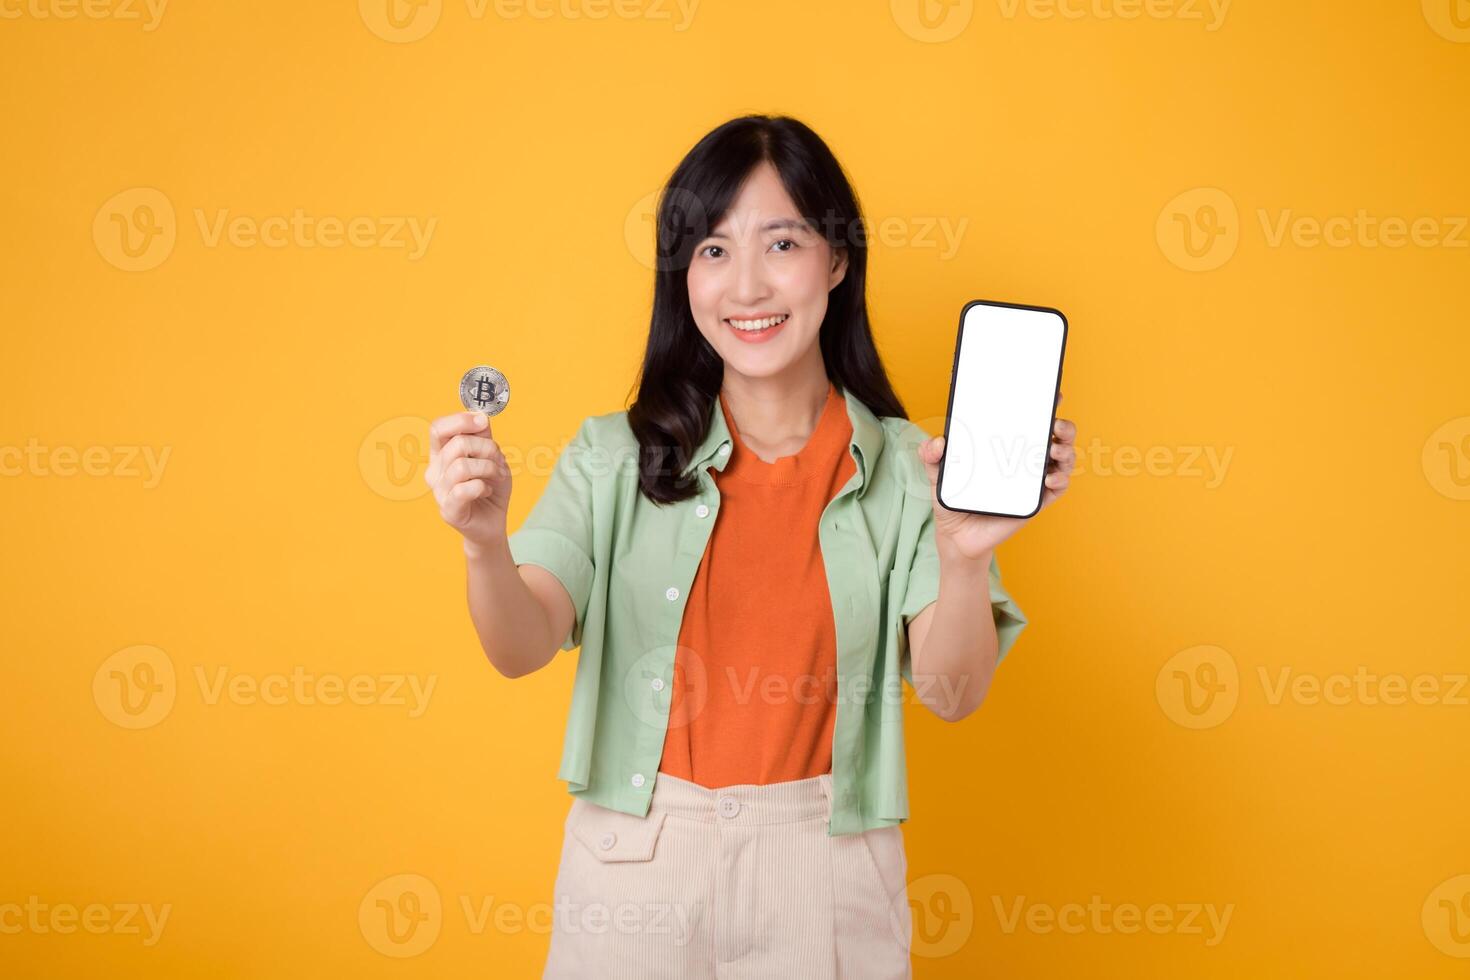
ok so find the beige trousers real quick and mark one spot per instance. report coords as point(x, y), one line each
point(738, 883)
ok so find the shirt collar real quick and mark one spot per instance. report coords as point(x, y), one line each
point(866, 442)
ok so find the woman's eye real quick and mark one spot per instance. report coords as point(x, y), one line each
point(707, 248)
point(785, 241)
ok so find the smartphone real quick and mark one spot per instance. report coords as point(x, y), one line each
point(1002, 405)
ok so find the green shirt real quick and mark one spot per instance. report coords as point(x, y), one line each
point(628, 565)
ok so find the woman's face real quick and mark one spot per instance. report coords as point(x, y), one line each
point(762, 266)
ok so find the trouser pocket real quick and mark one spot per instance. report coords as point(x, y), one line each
point(871, 918)
point(891, 865)
point(613, 836)
point(619, 909)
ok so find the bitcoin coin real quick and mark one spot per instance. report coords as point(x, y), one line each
point(484, 389)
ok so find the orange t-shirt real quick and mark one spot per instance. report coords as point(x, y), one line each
point(754, 696)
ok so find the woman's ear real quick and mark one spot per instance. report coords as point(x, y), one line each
point(839, 268)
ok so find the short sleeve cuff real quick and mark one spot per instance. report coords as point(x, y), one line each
point(1009, 620)
point(559, 556)
point(923, 588)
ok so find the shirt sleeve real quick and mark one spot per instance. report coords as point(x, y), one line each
point(557, 533)
point(923, 588)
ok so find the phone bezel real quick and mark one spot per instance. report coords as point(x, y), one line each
point(949, 408)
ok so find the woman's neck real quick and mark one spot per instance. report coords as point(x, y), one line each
point(775, 416)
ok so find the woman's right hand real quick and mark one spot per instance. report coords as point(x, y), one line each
point(469, 477)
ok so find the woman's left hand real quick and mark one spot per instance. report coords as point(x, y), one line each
point(976, 535)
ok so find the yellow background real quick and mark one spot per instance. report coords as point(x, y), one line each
point(1333, 543)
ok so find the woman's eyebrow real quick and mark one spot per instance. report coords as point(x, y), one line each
point(775, 224)
point(786, 223)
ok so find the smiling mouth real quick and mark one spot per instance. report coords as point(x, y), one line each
point(756, 326)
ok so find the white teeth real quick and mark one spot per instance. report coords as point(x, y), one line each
point(761, 324)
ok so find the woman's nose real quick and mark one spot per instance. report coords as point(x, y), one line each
point(750, 279)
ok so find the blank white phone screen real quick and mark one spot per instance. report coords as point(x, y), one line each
point(1002, 402)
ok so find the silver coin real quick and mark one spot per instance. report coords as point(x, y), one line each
point(484, 389)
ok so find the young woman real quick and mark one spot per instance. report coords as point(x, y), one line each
point(752, 560)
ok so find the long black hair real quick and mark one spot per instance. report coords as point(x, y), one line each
point(681, 373)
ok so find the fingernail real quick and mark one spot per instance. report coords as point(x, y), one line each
point(480, 420)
